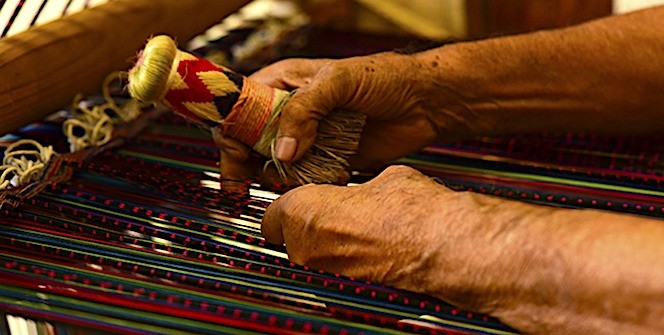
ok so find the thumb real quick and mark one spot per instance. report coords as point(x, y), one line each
point(298, 124)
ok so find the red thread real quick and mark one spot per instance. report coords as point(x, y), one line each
point(197, 91)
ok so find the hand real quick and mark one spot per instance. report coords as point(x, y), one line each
point(382, 86)
point(404, 230)
point(240, 165)
point(239, 162)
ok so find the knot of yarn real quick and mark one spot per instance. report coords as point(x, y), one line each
point(93, 126)
point(24, 162)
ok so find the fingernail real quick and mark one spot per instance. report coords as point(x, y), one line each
point(285, 149)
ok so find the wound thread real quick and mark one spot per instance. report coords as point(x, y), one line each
point(249, 116)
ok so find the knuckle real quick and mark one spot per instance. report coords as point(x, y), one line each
point(234, 153)
point(300, 121)
point(297, 257)
point(305, 200)
point(291, 199)
point(296, 107)
point(335, 72)
point(289, 63)
point(399, 171)
point(395, 175)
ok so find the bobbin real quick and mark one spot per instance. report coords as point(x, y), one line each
point(214, 96)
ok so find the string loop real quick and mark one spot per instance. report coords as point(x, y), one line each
point(24, 162)
point(93, 127)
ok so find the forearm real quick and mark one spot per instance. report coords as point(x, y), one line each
point(550, 270)
point(603, 275)
point(604, 76)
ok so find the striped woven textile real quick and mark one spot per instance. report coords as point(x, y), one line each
point(141, 240)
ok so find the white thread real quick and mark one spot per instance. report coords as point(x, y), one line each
point(17, 169)
point(95, 125)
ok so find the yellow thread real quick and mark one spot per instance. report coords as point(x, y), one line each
point(147, 80)
point(130, 110)
point(17, 169)
point(95, 125)
point(218, 83)
point(25, 160)
point(205, 110)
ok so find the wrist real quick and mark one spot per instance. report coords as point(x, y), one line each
point(451, 93)
point(498, 256)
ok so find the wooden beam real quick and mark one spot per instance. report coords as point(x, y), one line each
point(42, 69)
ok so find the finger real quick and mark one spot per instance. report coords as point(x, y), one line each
point(235, 165)
point(298, 124)
point(395, 173)
point(298, 128)
point(271, 76)
point(273, 220)
point(270, 178)
point(288, 214)
point(239, 164)
point(289, 74)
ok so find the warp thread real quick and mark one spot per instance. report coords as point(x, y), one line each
point(214, 96)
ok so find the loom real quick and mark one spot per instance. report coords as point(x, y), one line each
point(137, 236)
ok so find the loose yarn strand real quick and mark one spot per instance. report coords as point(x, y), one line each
point(17, 169)
point(95, 126)
point(25, 161)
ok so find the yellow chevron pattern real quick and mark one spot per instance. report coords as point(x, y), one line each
point(218, 83)
point(205, 110)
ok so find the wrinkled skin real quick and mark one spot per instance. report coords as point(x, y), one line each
point(539, 269)
point(384, 231)
point(362, 230)
point(398, 122)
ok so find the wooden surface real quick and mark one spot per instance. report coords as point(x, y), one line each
point(488, 18)
point(42, 69)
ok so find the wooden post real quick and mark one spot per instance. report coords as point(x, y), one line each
point(42, 69)
point(487, 18)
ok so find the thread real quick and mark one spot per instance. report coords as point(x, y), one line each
point(214, 96)
point(24, 162)
point(94, 126)
point(247, 127)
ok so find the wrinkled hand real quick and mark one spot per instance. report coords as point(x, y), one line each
point(400, 229)
point(383, 86)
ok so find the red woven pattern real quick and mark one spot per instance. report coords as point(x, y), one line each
point(197, 91)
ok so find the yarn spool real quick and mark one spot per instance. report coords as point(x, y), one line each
point(214, 96)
